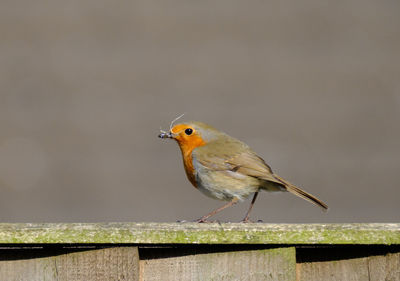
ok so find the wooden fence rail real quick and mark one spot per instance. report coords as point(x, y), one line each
point(191, 251)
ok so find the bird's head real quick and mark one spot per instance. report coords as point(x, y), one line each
point(192, 134)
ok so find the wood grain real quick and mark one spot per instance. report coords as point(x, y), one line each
point(385, 268)
point(259, 265)
point(119, 263)
point(195, 233)
point(374, 268)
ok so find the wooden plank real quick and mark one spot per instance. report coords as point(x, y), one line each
point(258, 265)
point(341, 270)
point(377, 268)
point(195, 233)
point(382, 268)
point(119, 263)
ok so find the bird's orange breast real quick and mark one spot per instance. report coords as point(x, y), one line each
point(187, 145)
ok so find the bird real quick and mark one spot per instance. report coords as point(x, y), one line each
point(225, 168)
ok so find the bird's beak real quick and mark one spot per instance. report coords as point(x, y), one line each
point(165, 135)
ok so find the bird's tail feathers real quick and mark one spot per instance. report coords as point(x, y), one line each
point(301, 193)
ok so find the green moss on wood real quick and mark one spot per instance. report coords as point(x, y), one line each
point(193, 233)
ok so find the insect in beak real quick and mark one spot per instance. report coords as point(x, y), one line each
point(168, 135)
point(165, 135)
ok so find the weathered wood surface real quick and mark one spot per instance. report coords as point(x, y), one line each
point(120, 263)
point(191, 251)
point(376, 268)
point(195, 233)
point(258, 265)
point(174, 263)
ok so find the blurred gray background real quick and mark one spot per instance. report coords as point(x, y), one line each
point(312, 86)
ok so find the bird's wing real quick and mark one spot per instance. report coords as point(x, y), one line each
point(234, 156)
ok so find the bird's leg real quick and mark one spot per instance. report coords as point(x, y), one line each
point(204, 218)
point(246, 218)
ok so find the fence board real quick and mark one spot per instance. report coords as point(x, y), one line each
point(259, 265)
point(387, 267)
point(191, 251)
point(119, 263)
point(377, 268)
point(195, 233)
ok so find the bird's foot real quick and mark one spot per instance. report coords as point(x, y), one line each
point(247, 220)
point(204, 220)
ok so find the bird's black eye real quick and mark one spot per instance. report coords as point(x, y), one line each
point(188, 131)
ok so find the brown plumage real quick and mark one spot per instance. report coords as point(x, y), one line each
point(225, 168)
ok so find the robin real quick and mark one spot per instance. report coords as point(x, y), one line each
point(225, 168)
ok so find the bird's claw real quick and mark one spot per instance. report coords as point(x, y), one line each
point(247, 220)
point(201, 220)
